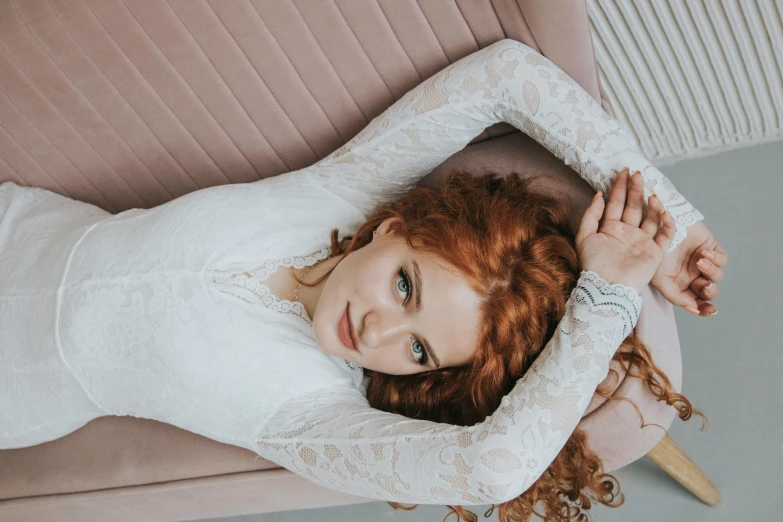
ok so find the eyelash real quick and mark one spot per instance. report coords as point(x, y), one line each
point(424, 357)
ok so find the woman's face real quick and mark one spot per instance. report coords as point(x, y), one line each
point(391, 333)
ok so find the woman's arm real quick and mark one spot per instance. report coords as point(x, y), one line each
point(506, 81)
point(333, 437)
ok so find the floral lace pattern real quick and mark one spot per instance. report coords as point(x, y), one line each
point(605, 289)
point(334, 438)
point(248, 286)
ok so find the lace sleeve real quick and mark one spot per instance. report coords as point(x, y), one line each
point(333, 437)
point(506, 81)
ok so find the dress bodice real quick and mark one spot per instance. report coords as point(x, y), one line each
point(157, 318)
point(249, 286)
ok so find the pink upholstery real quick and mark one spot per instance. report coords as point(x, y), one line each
point(131, 105)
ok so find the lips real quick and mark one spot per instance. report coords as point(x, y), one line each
point(345, 331)
point(352, 332)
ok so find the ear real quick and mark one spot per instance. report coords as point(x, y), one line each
point(389, 225)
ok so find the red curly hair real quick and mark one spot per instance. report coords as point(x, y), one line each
point(516, 249)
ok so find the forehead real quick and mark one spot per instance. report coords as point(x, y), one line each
point(450, 310)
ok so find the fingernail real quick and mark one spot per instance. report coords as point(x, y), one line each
point(692, 310)
point(703, 264)
point(714, 313)
point(708, 254)
point(708, 287)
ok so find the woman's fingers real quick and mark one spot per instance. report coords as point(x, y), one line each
point(711, 271)
point(616, 203)
point(719, 256)
point(706, 309)
point(705, 288)
point(665, 235)
point(652, 222)
point(591, 217)
point(634, 207)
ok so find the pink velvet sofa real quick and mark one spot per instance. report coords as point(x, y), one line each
point(132, 105)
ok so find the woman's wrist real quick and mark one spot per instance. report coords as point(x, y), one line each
point(610, 278)
point(592, 288)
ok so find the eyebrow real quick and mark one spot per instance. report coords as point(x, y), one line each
point(417, 279)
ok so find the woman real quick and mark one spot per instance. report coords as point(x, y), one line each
point(180, 313)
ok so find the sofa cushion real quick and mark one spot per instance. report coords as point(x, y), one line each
point(131, 105)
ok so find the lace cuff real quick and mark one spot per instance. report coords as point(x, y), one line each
point(600, 293)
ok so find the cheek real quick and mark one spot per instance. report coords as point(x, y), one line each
point(356, 285)
point(368, 283)
point(394, 361)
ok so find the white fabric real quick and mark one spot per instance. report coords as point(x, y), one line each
point(161, 313)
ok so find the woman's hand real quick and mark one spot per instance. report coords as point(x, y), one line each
point(622, 251)
point(681, 279)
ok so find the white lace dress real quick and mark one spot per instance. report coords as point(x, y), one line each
point(162, 313)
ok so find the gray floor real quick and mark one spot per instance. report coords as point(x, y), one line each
point(732, 365)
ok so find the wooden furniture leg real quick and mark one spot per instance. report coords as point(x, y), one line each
point(676, 463)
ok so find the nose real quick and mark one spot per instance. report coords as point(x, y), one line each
point(385, 328)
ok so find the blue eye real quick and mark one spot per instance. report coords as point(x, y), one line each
point(423, 352)
point(406, 284)
point(407, 290)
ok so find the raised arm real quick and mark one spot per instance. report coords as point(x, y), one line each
point(506, 81)
point(334, 438)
